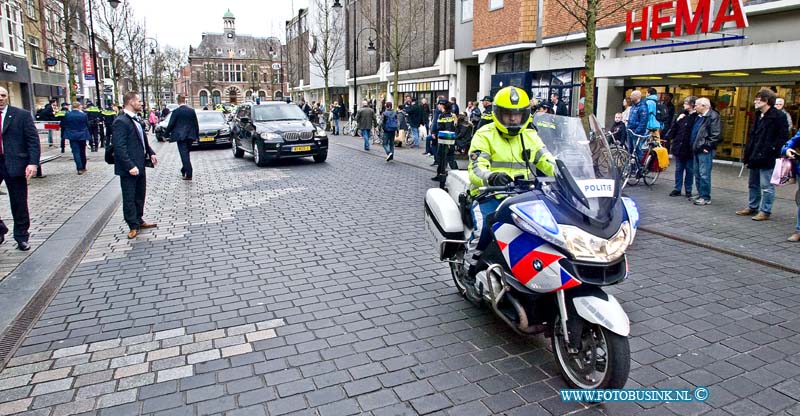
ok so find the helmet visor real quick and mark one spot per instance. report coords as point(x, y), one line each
point(512, 118)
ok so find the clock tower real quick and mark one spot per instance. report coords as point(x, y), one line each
point(229, 24)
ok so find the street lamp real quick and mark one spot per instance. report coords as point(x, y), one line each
point(371, 52)
point(337, 5)
point(153, 46)
point(114, 3)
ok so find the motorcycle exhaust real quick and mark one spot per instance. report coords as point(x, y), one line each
point(494, 292)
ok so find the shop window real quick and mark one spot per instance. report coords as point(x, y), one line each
point(495, 4)
point(513, 62)
point(466, 10)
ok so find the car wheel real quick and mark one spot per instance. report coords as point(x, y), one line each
point(258, 156)
point(237, 152)
point(320, 157)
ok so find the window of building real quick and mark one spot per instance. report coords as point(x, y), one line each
point(242, 52)
point(33, 51)
point(495, 4)
point(30, 9)
point(11, 27)
point(466, 10)
point(219, 51)
point(513, 62)
point(203, 98)
point(216, 98)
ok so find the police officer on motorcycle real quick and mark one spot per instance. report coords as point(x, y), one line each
point(498, 154)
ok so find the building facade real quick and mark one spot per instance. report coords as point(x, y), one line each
point(307, 36)
point(232, 68)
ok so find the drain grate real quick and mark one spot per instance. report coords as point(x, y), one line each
point(15, 333)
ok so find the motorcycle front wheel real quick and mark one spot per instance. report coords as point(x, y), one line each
point(603, 361)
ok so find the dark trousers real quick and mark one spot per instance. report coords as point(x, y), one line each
point(133, 193)
point(94, 130)
point(18, 197)
point(78, 153)
point(448, 154)
point(184, 148)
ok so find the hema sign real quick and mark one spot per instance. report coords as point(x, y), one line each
point(651, 19)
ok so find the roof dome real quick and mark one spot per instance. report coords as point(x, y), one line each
point(228, 14)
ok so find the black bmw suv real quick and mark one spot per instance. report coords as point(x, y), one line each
point(276, 130)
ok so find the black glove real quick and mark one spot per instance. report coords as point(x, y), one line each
point(500, 179)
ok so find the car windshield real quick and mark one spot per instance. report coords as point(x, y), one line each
point(278, 112)
point(211, 117)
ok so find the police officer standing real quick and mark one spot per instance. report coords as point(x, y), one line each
point(94, 116)
point(59, 116)
point(486, 117)
point(499, 152)
point(109, 115)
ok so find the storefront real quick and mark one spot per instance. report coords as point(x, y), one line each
point(47, 85)
point(754, 47)
point(428, 90)
point(16, 78)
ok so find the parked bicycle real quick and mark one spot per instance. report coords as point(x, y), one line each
point(645, 169)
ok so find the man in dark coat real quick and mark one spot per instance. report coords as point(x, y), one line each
point(558, 105)
point(131, 154)
point(19, 156)
point(184, 129)
point(768, 134)
point(414, 112)
point(680, 137)
point(706, 135)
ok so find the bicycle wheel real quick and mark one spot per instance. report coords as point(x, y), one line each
point(632, 171)
point(650, 175)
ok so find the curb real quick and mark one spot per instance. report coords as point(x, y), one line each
point(26, 292)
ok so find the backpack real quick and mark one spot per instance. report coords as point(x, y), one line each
point(662, 113)
point(390, 121)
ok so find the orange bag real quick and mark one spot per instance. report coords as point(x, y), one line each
point(662, 156)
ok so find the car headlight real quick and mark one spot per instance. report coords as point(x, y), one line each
point(225, 130)
point(321, 133)
point(269, 137)
point(590, 248)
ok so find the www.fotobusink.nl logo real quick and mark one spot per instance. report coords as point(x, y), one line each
point(699, 394)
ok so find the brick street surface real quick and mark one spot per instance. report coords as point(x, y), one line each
point(312, 290)
point(52, 200)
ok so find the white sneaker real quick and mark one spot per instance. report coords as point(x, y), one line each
point(702, 201)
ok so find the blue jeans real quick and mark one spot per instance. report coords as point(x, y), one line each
point(336, 124)
point(684, 168)
point(388, 141)
point(762, 192)
point(632, 146)
point(797, 227)
point(703, 162)
point(78, 153)
point(50, 137)
point(481, 236)
point(365, 134)
point(415, 135)
point(430, 146)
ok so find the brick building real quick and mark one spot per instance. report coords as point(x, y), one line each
point(725, 51)
point(232, 68)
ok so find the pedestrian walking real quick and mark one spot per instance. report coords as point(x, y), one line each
point(153, 120)
point(680, 137)
point(763, 146)
point(706, 135)
point(366, 120)
point(19, 157)
point(75, 128)
point(132, 154)
point(790, 149)
point(183, 129)
point(390, 126)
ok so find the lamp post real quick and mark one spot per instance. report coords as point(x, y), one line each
point(114, 4)
point(152, 54)
point(371, 52)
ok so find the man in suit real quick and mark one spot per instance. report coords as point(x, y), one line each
point(183, 128)
point(19, 155)
point(75, 128)
point(131, 152)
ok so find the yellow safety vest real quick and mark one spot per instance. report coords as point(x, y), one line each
point(490, 152)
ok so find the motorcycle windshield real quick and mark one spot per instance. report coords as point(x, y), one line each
point(587, 180)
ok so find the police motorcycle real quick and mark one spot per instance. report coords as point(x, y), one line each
point(556, 242)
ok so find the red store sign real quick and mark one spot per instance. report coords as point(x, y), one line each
point(88, 67)
point(686, 20)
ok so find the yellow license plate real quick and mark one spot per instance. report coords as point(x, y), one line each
point(206, 139)
point(301, 148)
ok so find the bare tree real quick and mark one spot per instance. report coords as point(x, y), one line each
point(111, 25)
point(397, 32)
point(132, 45)
point(326, 43)
point(174, 60)
point(62, 45)
point(587, 14)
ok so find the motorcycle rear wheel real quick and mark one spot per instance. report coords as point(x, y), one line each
point(458, 269)
point(603, 362)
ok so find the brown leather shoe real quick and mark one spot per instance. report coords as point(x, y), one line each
point(794, 238)
point(746, 211)
point(760, 217)
point(132, 234)
point(148, 225)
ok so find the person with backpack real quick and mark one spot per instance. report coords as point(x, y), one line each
point(657, 113)
point(389, 130)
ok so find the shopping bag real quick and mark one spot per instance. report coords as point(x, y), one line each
point(782, 173)
point(423, 132)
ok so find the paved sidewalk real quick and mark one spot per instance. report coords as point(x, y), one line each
point(52, 200)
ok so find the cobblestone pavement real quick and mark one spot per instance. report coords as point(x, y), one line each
point(310, 289)
point(52, 201)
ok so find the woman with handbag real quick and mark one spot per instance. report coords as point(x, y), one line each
point(790, 152)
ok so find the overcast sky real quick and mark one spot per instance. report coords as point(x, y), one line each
point(180, 23)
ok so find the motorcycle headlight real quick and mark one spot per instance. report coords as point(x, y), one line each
point(534, 217)
point(590, 248)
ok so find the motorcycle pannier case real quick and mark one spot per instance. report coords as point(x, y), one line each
point(443, 221)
